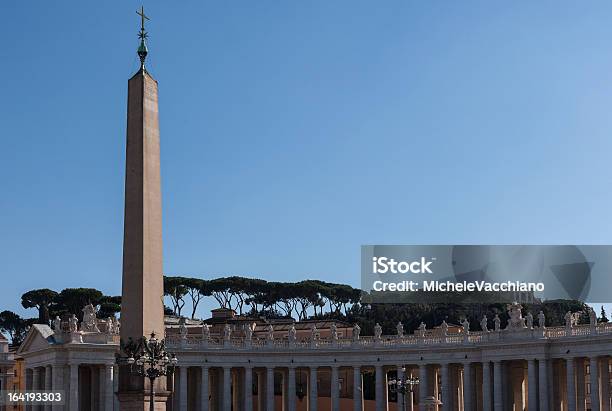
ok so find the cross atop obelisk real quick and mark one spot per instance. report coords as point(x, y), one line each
point(142, 35)
point(142, 308)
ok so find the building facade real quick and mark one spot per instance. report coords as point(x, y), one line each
point(323, 366)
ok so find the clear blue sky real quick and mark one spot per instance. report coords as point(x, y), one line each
point(294, 132)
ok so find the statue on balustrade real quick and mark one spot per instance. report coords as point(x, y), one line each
point(377, 331)
point(592, 316)
point(497, 322)
point(516, 321)
point(182, 328)
point(270, 334)
point(109, 326)
point(73, 324)
point(57, 324)
point(570, 319)
point(334, 332)
point(444, 328)
point(466, 325)
point(400, 329)
point(484, 324)
point(89, 319)
point(529, 320)
point(248, 331)
point(542, 320)
point(227, 332)
point(314, 333)
point(356, 332)
point(205, 331)
point(292, 334)
point(422, 328)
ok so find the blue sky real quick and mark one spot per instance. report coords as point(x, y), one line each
point(294, 132)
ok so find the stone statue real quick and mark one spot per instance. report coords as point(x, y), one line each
point(248, 331)
point(57, 324)
point(270, 333)
point(484, 324)
point(292, 334)
point(569, 319)
point(516, 321)
point(592, 316)
point(542, 319)
point(497, 322)
point(227, 332)
point(356, 332)
point(529, 320)
point(182, 328)
point(377, 331)
point(109, 326)
point(314, 333)
point(466, 325)
point(444, 327)
point(205, 331)
point(89, 319)
point(400, 329)
point(73, 323)
point(334, 332)
point(422, 328)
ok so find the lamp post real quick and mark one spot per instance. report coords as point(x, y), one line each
point(403, 386)
point(148, 358)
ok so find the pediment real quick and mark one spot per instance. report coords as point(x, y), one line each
point(39, 337)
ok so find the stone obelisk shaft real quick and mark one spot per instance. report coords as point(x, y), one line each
point(142, 309)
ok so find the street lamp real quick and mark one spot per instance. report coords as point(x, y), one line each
point(403, 386)
point(148, 358)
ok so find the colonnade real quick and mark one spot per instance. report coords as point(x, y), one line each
point(91, 386)
point(538, 384)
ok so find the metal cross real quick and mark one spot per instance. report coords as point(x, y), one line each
point(142, 15)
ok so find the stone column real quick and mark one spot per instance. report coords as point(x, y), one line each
point(579, 370)
point(74, 387)
point(115, 387)
point(423, 385)
point(498, 399)
point(205, 388)
point(48, 384)
point(36, 379)
point(446, 387)
point(532, 387)
point(312, 388)
point(486, 386)
point(467, 386)
point(270, 388)
point(182, 389)
point(227, 388)
point(605, 386)
point(400, 398)
point(58, 383)
point(261, 384)
point(595, 384)
point(335, 394)
point(357, 390)
point(291, 399)
point(108, 385)
point(571, 384)
point(543, 384)
point(380, 395)
point(248, 387)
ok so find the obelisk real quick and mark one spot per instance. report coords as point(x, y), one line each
point(142, 308)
